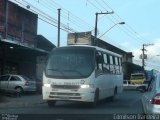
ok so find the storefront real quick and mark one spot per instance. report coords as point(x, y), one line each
point(20, 46)
point(17, 59)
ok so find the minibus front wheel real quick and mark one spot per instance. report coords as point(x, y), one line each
point(96, 99)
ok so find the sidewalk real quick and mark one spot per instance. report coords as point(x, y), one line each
point(23, 101)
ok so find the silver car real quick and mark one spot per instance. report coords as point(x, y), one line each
point(16, 83)
point(151, 97)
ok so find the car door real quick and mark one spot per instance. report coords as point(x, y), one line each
point(4, 82)
point(147, 97)
point(13, 82)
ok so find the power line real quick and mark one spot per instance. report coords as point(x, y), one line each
point(94, 5)
point(44, 16)
point(148, 64)
point(131, 35)
point(46, 5)
point(73, 19)
point(100, 5)
point(130, 29)
point(127, 30)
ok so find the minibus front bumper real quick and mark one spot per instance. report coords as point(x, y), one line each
point(81, 94)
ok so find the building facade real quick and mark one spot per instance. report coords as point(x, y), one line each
point(20, 47)
point(88, 38)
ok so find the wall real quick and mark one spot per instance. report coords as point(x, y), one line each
point(21, 24)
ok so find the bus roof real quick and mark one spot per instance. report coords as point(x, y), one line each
point(96, 47)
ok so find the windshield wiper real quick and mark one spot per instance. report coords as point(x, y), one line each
point(74, 70)
point(53, 69)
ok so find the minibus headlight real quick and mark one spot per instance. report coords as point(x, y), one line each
point(87, 86)
point(47, 85)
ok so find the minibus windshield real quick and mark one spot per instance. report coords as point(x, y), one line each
point(70, 62)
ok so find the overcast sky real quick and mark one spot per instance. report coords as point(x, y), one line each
point(141, 18)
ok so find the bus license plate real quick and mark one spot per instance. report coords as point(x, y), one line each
point(64, 97)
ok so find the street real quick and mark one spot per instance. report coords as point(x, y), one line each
point(127, 102)
point(82, 50)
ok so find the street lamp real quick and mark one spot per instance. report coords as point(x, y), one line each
point(120, 23)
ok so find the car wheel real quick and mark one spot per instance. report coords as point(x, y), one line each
point(19, 91)
point(51, 103)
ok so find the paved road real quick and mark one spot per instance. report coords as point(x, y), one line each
point(126, 103)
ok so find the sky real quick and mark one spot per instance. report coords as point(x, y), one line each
point(141, 26)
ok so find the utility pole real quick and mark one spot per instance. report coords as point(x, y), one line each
point(58, 37)
point(144, 56)
point(143, 64)
point(6, 19)
point(4, 49)
point(96, 21)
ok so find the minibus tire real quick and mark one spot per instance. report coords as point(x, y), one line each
point(51, 103)
point(112, 97)
point(96, 98)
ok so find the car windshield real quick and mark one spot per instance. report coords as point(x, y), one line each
point(27, 78)
point(135, 77)
point(70, 63)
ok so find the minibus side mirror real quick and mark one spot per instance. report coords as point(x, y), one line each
point(99, 59)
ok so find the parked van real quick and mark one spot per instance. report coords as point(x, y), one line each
point(137, 78)
point(16, 83)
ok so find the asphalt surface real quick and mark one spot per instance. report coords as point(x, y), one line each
point(29, 106)
point(27, 100)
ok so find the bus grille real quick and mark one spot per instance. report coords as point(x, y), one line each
point(65, 96)
point(66, 86)
point(69, 94)
point(62, 98)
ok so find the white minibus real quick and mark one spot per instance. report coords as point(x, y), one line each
point(81, 73)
